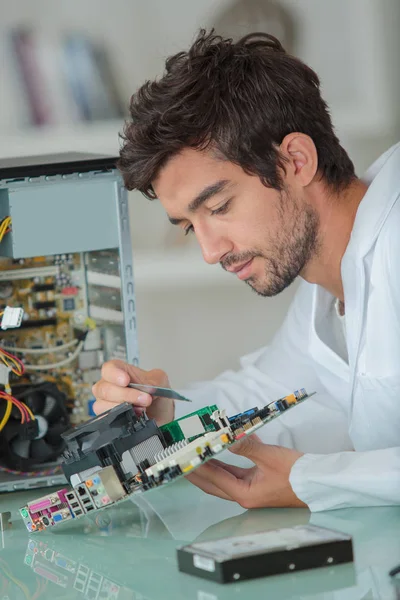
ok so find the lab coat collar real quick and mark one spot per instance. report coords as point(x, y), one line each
point(383, 180)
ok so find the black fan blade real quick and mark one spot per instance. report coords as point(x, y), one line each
point(41, 451)
point(20, 447)
point(36, 402)
point(52, 411)
point(12, 430)
point(53, 435)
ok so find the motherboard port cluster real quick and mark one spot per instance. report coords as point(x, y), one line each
point(119, 453)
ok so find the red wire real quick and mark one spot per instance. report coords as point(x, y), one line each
point(22, 366)
point(18, 404)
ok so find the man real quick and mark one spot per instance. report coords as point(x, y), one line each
point(237, 144)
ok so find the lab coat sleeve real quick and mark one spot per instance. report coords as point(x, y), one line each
point(317, 425)
point(347, 479)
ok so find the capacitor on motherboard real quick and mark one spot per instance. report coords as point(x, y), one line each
point(6, 290)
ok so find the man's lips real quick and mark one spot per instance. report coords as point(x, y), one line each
point(241, 270)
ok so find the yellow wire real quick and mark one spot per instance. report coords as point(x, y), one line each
point(8, 398)
point(6, 415)
point(9, 359)
point(5, 224)
point(32, 416)
point(17, 582)
point(30, 413)
point(3, 229)
point(8, 362)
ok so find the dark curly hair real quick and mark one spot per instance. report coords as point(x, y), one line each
point(238, 98)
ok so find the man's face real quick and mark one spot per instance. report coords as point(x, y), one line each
point(263, 236)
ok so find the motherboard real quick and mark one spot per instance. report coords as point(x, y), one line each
point(59, 304)
point(70, 321)
point(119, 453)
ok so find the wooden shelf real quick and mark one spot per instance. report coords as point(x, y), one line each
point(102, 137)
point(99, 137)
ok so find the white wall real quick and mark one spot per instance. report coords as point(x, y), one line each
point(354, 48)
point(196, 331)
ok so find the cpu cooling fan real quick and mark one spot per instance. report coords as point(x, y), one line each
point(26, 453)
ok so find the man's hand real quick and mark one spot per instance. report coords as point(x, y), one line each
point(112, 389)
point(265, 484)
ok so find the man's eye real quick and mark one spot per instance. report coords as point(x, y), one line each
point(222, 209)
point(188, 230)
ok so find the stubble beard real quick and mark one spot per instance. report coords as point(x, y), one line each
point(292, 249)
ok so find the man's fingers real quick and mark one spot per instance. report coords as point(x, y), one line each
point(224, 481)
point(108, 392)
point(207, 486)
point(101, 406)
point(238, 472)
point(249, 447)
point(120, 373)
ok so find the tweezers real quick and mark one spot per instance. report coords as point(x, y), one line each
point(158, 391)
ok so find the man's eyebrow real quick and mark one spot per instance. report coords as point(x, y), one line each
point(203, 196)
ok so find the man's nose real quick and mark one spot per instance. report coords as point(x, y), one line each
point(213, 247)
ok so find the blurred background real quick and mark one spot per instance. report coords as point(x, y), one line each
point(67, 72)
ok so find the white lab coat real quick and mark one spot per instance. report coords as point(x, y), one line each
point(350, 430)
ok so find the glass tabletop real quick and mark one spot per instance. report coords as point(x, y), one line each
point(129, 552)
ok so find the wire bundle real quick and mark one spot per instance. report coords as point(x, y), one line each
point(17, 367)
point(5, 227)
point(41, 351)
point(43, 473)
point(12, 362)
point(25, 411)
point(9, 576)
point(59, 364)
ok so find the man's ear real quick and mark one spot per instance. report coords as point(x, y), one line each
point(302, 158)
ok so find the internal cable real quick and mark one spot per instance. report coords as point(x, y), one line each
point(48, 350)
point(12, 362)
point(17, 367)
point(62, 363)
point(26, 413)
point(6, 416)
point(5, 227)
point(7, 572)
point(55, 471)
point(30, 413)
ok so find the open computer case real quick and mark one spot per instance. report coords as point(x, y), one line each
point(66, 261)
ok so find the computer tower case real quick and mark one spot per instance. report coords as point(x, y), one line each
point(66, 260)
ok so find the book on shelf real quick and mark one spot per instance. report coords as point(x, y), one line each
point(63, 79)
point(31, 76)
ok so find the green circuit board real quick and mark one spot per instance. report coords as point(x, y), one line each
point(173, 432)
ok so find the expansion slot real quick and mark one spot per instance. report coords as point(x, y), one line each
point(14, 274)
point(103, 279)
point(108, 315)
